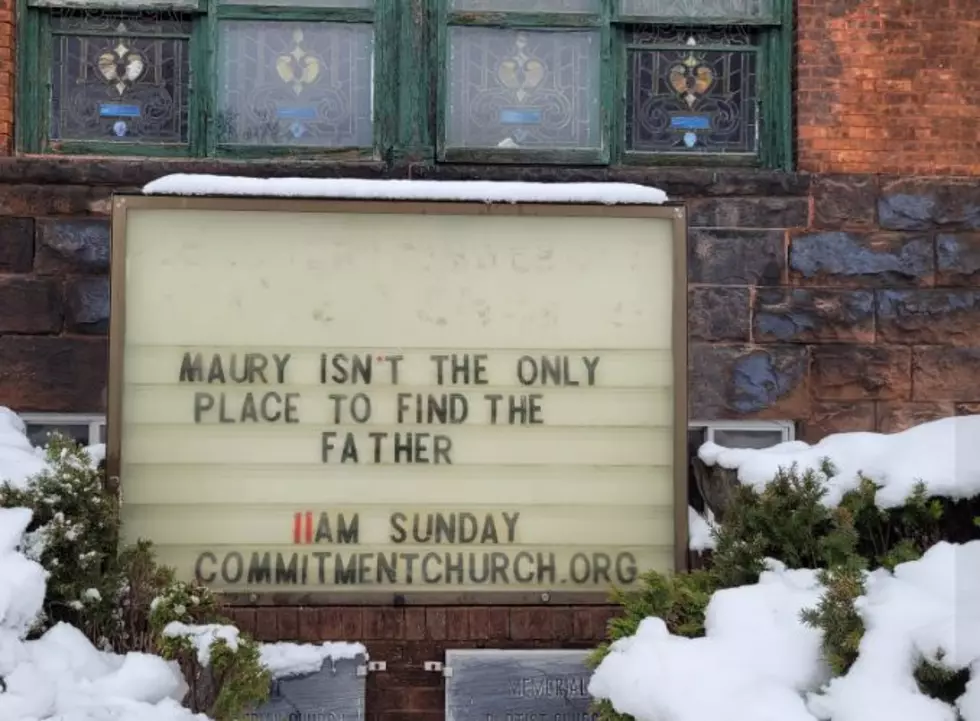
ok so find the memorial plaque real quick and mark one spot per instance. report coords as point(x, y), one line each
point(501, 685)
point(334, 693)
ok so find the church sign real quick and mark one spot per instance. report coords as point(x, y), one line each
point(356, 400)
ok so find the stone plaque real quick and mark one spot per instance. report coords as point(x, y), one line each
point(335, 693)
point(501, 685)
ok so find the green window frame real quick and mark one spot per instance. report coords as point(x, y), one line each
point(222, 118)
point(752, 36)
point(444, 76)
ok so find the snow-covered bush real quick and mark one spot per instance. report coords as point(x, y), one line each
point(119, 598)
point(221, 665)
point(73, 535)
point(826, 596)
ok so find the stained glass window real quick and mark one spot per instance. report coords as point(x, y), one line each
point(692, 92)
point(359, 4)
point(575, 82)
point(292, 83)
point(525, 89)
point(699, 9)
point(529, 6)
point(119, 79)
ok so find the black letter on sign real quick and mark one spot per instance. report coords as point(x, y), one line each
point(199, 573)
point(192, 368)
point(202, 402)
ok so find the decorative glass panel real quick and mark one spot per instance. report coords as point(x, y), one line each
point(523, 89)
point(39, 434)
point(529, 6)
point(748, 438)
point(116, 79)
point(352, 4)
point(116, 5)
point(297, 84)
point(697, 9)
point(693, 93)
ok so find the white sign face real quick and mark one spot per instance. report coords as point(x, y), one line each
point(359, 401)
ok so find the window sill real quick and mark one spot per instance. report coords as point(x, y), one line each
point(133, 173)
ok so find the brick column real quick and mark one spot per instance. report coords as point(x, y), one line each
point(6, 76)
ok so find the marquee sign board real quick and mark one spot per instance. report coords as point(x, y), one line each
point(447, 401)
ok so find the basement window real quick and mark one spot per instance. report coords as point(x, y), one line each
point(747, 434)
point(85, 429)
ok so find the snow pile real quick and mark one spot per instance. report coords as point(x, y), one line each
point(699, 530)
point(928, 609)
point(293, 659)
point(754, 664)
point(62, 675)
point(944, 454)
point(423, 190)
point(19, 460)
point(759, 662)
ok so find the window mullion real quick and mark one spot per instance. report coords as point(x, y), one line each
point(203, 76)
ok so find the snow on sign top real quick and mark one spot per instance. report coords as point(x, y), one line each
point(432, 190)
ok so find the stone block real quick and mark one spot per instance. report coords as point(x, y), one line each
point(802, 315)
point(928, 203)
point(861, 372)
point(72, 246)
point(736, 257)
point(87, 305)
point(57, 375)
point(896, 416)
point(30, 200)
point(958, 259)
point(827, 418)
point(718, 314)
point(929, 316)
point(30, 305)
point(765, 212)
point(745, 380)
point(16, 245)
point(842, 202)
point(946, 374)
point(858, 259)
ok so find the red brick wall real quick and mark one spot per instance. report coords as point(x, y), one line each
point(883, 86)
point(6, 76)
point(889, 86)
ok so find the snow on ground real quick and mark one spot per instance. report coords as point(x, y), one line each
point(19, 460)
point(295, 659)
point(758, 662)
point(944, 454)
point(432, 190)
point(700, 537)
point(753, 665)
point(62, 675)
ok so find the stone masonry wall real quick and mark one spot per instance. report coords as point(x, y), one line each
point(867, 318)
point(840, 302)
